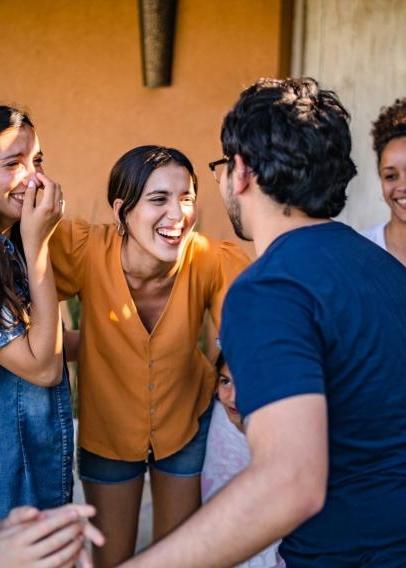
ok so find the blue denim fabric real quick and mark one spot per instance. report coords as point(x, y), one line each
point(36, 443)
point(36, 438)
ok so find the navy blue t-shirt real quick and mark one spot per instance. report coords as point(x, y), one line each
point(323, 310)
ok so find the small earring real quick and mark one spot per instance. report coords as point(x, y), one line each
point(120, 229)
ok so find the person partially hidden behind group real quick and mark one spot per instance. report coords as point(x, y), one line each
point(389, 143)
point(227, 454)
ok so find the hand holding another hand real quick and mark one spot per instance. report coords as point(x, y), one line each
point(47, 539)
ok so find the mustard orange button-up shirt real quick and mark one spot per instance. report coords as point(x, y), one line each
point(139, 390)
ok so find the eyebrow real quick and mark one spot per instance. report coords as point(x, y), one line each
point(228, 377)
point(158, 192)
point(10, 156)
point(167, 192)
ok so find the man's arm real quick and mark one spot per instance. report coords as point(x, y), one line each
point(284, 485)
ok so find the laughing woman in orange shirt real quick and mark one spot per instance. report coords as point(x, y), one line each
point(145, 388)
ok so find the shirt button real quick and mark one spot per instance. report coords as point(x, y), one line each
point(151, 386)
point(151, 411)
point(150, 364)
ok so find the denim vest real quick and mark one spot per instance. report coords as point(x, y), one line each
point(36, 443)
point(36, 435)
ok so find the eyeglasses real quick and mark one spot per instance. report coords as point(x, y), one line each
point(217, 167)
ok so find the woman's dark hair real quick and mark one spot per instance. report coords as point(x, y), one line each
point(11, 117)
point(295, 138)
point(131, 172)
point(13, 307)
point(220, 362)
point(390, 124)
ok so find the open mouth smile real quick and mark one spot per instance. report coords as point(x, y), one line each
point(19, 197)
point(171, 236)
point(400, 202)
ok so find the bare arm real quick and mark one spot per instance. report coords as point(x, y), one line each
point(37, 355)
point(284, 485)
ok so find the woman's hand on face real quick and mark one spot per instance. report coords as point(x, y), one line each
point(41, 215)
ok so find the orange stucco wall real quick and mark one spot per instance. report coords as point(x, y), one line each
point(75, 66)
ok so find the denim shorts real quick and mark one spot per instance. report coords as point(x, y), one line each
point(187, 462)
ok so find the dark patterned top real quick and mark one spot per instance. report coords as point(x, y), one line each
point(14, 328)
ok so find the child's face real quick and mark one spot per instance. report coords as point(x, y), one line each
point(226, 393)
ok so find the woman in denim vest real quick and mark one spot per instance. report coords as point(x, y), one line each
point(36, 440)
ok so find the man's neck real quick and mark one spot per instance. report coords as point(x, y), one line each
point(271, 220)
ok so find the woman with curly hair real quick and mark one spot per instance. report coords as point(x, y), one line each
point(389, 143)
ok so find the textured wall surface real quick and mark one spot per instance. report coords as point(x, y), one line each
point(358, 48)
point(76, 66)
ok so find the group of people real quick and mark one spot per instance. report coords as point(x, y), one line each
point(307, 450)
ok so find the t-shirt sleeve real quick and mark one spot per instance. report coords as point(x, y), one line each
point(272, 343)
point(68, 249)
point(231, 260)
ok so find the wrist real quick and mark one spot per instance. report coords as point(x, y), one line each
point(35, 248)
point(37, 259)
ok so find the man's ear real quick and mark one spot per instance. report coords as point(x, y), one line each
point(117, 203)
point(241, 174)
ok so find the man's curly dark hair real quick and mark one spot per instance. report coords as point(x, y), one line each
point(295, 138)
point(390, 124)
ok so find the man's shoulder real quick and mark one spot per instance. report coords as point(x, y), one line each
point(326, 250)
point(301, 262)
point(310, 237)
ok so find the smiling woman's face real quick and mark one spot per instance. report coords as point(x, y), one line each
point(392, 171)
point(165, 214)
point(20, 159)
